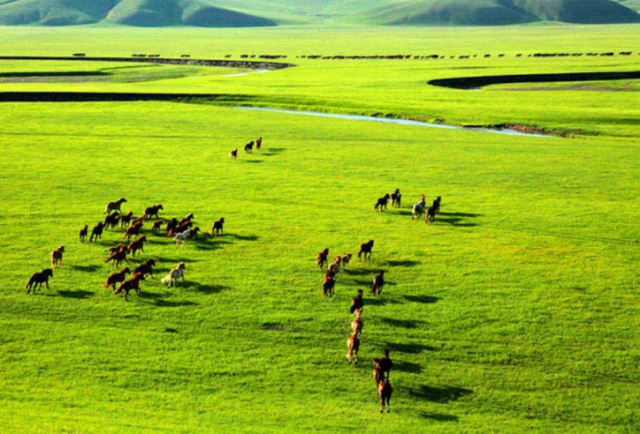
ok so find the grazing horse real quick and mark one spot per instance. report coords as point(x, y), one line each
point(174, 275)
point(152, 211)
point(218, 227)
point(259, 143)
point(418, 209)
point(357, 303)
point(118, 277)
point(357, 324)
point(384, 392)
point(83, 233)
point(329, 284)
point(117, 258)
point(353, 346)
point(248, 148)
point(396, 198)
point(156, 226)
point(378, 284)
point(430, 217)
point(56, 257)
point(37, 279)
point(114, 206)
point(111, 220)
point(133, 284)
point(146, 268)
point(365, 249)
point(346, 259)
point(234, 154)
point(321, 259)
point(97, 232)
point(381, 204)
point(136, 245)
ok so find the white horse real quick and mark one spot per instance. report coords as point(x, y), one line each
point(418, 209)
point(175, 275)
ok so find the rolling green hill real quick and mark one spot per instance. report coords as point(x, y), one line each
point(257, 13)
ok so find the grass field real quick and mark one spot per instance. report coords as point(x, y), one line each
point(516, 311)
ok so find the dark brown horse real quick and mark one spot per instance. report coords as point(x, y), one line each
point(259, 143)
point(396, 198)
point(384, 392)
point(136, 245)
point(385, 364)
point(430, 216)
point(321, 259)
point(146, 268)
point(56, 257)
point(114, 206)
point(329, 284)
point(96, 232)
point(37, 279)
point(152, 211)
point(234, 154)
point(83, 233)
point(132, 230)
point(118, 277)
point(133, 284)
point(248, 148)
point(117, 258)
point(156, 226)
point(218, 227)
point(357, 303)
point(378, 284)
point(111, 220)
point(366, 249)
point(125, 219)
point(381, 204)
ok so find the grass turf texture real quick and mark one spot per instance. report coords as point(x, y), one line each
point(516, 310)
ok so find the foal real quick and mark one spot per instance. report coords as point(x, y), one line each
point(56, 257)
point(37, 279)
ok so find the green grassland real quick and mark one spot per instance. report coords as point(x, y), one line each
point(517, 310)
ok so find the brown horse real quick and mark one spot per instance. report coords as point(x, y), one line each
point(152, 211)
point(111, 220)
point(118, 277)
point(378, 284)
point(130, 285)
point(430, 216)
point(365, 249)
point(357, 303)
point(346, 259)
point(259, 143)
point(83, 233)
point(234, 154)
point(114, 206)
point(335, 265)
point(248, 148)
point(117, 258)
point(377, 374)
point(384, 392)
point(125, 219)
point(321, 259)
point(357, 324)
point(146, 268)
point(156, 226)
point(218, 227)
point(56, 257)
point(132, 230)
point(37, 279)
point(385, 364)
point(136, 245)
point(353, 346)
point(329, 284)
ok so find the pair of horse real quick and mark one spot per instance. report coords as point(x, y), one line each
point(382, 203)
point(381, 371)
point(419, 209)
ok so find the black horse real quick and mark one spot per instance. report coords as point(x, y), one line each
point(37, 279)
point(381, 204)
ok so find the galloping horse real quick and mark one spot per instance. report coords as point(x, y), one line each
point(37, 279)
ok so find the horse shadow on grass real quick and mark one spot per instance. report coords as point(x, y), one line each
point(409, 367)
point(171, 303)
point(406, 324)
point(87, 268)
point(172, 260)
point(205, 289)
point(409, 348)
point(252, 161)
point(270, 152)
point(403, 263)
point(79, 294)
point(438, 417)
point(424, 299)
point(440, 395)
point(459, 219)
point(243, 237)
point(379, 301)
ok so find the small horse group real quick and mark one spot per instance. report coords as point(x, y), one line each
point(38, 279)
point(248, 148)
point(395, 198)
point(381, 371)
point(339, 263)
point(418, 209)
point(353, 342)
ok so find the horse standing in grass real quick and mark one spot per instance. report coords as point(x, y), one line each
point(321, 259)
point(118, 277)
point(234, 154)
point(83, 233)
point(366, 249)
point(248, 148)
point(218, 227)
point(334, 267)
point(436, 204)
point(385, 363)
point(37, 279)
point(384, 392)
point(96, 232)
point(378, 284)
point(396, 198)
point(381, 204)
point(114, 206)
point(353, 346)
point(56, 257)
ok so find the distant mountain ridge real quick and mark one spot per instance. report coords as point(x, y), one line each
point(260, 13)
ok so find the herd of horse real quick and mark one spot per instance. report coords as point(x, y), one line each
point(248, 148)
